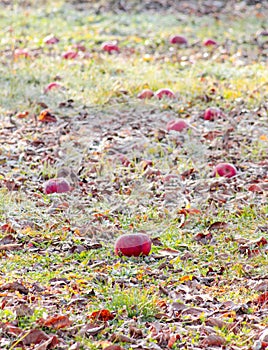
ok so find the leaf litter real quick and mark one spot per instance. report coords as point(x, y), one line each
point(205, 283)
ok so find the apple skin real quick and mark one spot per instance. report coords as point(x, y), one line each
point(210, 42)
point(51, 40)
point(161, 93)
point(70, 55)
point(110, 47)
point(57, 185)
point(177, 125)
point(224, 169)
point(178, 39)
point(138, 244)
point(53, 85)
point(211, 113)
point(21, 53)
point(146, 94)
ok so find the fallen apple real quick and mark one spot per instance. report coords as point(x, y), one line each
point(138, 244)
point(51, 40)
point(177, 125)
point(56, 185)
point(70, 55)
point(178, 39)
point(110, 47)
point(210, 42)
point(211, 113)
point(161, 93)
point(21, 53)
point(52, 86)
point(224, 169)
point(146, 94)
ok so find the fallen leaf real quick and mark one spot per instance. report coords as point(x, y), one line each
point(102, 315)
point(12, 246)
point(212, 340)
point(172, 340)
point(262, 299)
point(91, 329)
point(14, 286)
point(46, 117)
point(204, 238)
point(189, 211)
point(122, 338)
point(7, 228)
point(113, 347)
point(218, 225)
point(22, 115)
point(56, 322)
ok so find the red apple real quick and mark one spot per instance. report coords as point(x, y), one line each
point(210, 42)
point(212, 112)
point(161, 93)
point(133, 245)
point(177, 125)
point(57, 185)
point(21, 53)
point(70, 55)
point(178, 39)
point(146, 93)
point(224, 169)
point(53, 85)
point(110, 47)
point(51, 40)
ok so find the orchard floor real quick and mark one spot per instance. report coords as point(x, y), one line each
point(205, 283)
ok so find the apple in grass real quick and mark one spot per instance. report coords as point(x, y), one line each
point(162, 93)
point(56, 185)
point(110, 47)
point(210, 42)
point(51, 40)
point(212, 112)
point(146, 94)
point(225, 170)
point(177, 125)
point(178, 39)
point(138, 244)
point(70, 55)
point(52, 86)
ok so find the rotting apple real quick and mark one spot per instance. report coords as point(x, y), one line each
point(146, 94)
point(161, 93)
point(224, 169)
point(52, 86)
point(212, 112)
point(178, 39)
point(138, 244)
point(56, 185)
point(177, 125)
point(110, 47)
point(210, 42)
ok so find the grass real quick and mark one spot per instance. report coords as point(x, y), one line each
point(98, 115)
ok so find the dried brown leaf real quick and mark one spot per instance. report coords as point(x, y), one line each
point(14, 286)
point(218, 225)
point(56, 322)
point(212, 340)
point(102, 315)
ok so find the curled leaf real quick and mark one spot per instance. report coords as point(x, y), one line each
point(102, 315)
point(46, 117)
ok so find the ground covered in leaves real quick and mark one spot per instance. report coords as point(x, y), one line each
point(205, 283)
